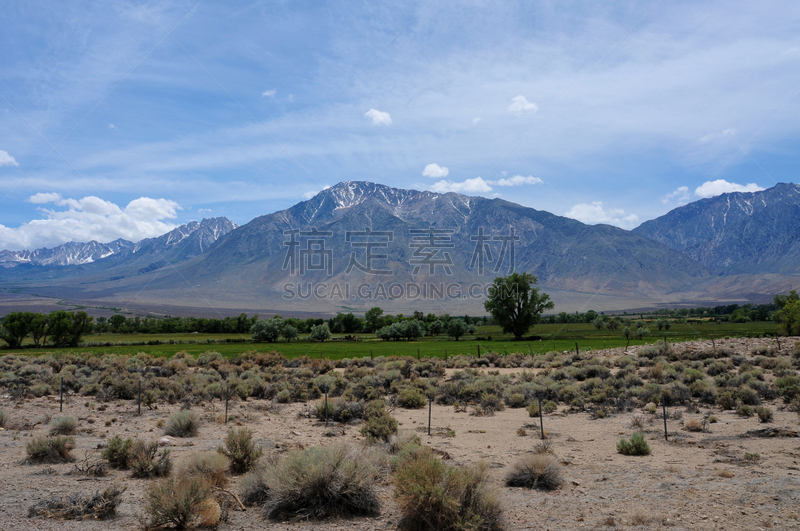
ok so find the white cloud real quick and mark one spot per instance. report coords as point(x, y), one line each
point(680, 195)
point(517, 180)
point(520, 104)
point(595, 212)
point(721, 186)
point(479, 185)
point(44, 197)
point(434, 171)
point(711, 137)
point(470, 186)
point(312, 193)
point(476, 120)
point(112, 127)
point(269, 93)
point(90, 218)
point(6, 159)
point(378, 117)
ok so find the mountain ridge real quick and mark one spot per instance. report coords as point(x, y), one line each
point(736, 233)
point(250, 266)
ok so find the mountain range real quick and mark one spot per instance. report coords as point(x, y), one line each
point(736, 246)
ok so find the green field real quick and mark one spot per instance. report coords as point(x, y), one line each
point(546, 337)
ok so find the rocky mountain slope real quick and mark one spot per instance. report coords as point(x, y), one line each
point(736, 233)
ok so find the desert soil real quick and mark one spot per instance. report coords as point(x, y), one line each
point(696, 480)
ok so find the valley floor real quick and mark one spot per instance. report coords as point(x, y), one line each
point(696, 480)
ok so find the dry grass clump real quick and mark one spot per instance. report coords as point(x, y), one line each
point(638, 421)
point(646, 517)
point(240, 450)
point(544, 447)
point(177, 501)
point(50, 450)
point(724, 473)
point(317, 482)
point(184, 423)
point(2, 419)
point(695, 425)
point(207, 465)
point(432, 495)
point(535, 471)
point(78, 507)
point(63, 426)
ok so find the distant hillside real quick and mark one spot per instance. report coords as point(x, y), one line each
point(117, 259)
point(72, 253)
point(736, 233)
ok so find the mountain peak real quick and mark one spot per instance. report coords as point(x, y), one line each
point(347, 194)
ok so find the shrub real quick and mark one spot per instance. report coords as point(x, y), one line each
point(726, 400)
point(747, 396)
point(241, 450)
point(490, 403)
point(63, 426)
point(144, 461)
point(432, 496)
point(50, 450)
point(411, 398)
point(516, 400)
point(340, 410)
point(176, 501)
point(636, 446)
point(209, 466)
point(764, 414)
point(535, 471)
point(117, 452)
point(745, 411)
point(2, 419)
point(79, 507)
point(533, 408)
point(752, 457)
point(322, 482)
point(380, 424)
point(182, 424)
point(253, 487)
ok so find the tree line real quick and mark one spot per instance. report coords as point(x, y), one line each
point(59, 329)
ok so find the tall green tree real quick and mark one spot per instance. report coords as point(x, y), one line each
point(320, 332)
point(788, 318)
point(65, 328)
point(516, 303)
point(373, 319)
point(16, 326)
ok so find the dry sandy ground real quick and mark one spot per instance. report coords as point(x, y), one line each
point(680, 486)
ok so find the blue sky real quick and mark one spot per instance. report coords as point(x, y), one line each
point(124, 119)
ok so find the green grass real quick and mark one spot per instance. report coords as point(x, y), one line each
point(558, 337)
